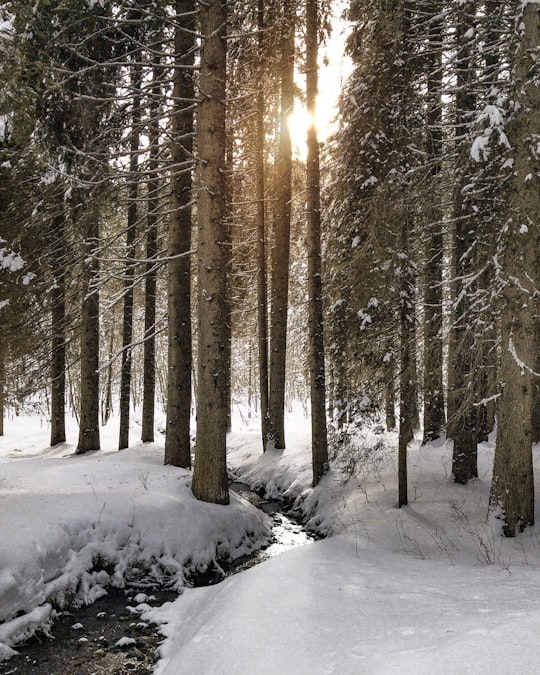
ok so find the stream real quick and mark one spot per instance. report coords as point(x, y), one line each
point(108, 637)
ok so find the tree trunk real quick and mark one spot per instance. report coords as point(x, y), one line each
point(434, 416)
point(3, 353)
point(462, 415)
point(280, 253)
point(150, 280)
point(107, 404)
point(407, 389)
point(390, 395)
point(129, 272)
point(536, 383)
point(58, 346)
point(319, 442)
point(262, 291)
point(512, 488)
point(210, 481)
point(177, 442)
point(89, 389)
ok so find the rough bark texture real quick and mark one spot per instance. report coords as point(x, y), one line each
point(319, 441)
point(462, 416)
point(150, 281)
point(129, 272)
point(406, 376)
point(262, 291)
point(89, 392)
point(390, 396)
point(536, 383)
point(281, 249)
point(210, 481)
point(2, 386)
point(58, 344)
point(434, 412)
point(512, 488)
point(177, 441)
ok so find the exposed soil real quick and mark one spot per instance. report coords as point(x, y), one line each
point(85, 638)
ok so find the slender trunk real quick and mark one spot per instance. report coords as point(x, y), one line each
point(177, 442)
point(319, 441)
point(512, 488)
point(262, 291)
point(58, 346)
point(281, 249)
point(536, 383)
point(150, 280)
point(89, 387)
point(390, 395)
point(406, 377)
point(107, 406)
point(434, 416)
point(462, 416)
point(129, 272)
point(210, 481)
point(3, 353)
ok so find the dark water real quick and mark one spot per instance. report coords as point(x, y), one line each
point(85, 639)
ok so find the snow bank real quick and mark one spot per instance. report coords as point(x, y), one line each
point(72, 524)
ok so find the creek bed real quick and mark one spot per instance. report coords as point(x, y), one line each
point(108, 637)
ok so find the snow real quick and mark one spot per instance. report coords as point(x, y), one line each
point(430, 588)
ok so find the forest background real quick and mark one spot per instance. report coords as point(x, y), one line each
point(148, 184)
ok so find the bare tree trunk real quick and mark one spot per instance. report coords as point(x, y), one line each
point(210, 481)
point(434, 412)
point(107, 404)
point(536, 382)
point(512, 488)
point(407, 389)
point(150, 280)
point(462, 416)
point(262, 291)
point(319, 441)
point(177, 442)
point(390, 395)
point(58, 347)
point(3, 354)
point(280, 253)
point(89, 388)
point(129, 272)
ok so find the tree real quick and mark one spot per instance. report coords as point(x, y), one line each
point(262, 291)
point(461, 411)
point(177, 442)
point(434, 411)
point(210, 481)
point(512, 488)
point(315, 289)
point(281, 244)
point(129, 272)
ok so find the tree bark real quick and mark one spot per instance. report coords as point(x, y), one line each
point(3, 353)
point(210, 481)
point(319, 441)
point(150, 280)
point(58, 345)
point(434, 413)
point(512, 488)
point(89, 389)
point(262, 291)
point(407, 389)
point(462, 415)
point(281, 248)
point(177, 441)
point(129, 272)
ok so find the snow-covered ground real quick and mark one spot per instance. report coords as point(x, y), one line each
point(430, 588)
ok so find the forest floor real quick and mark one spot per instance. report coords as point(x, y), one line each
point(429, 588)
